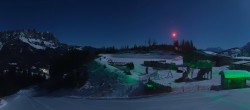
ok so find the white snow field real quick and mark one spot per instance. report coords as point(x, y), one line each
point(237, 99)
point(162, 76)
point(138, 73)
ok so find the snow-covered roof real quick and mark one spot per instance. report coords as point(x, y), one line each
point(241, 62)
point(242, 58)
point(236, 74)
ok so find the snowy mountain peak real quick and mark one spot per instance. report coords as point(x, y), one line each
point(37, 40)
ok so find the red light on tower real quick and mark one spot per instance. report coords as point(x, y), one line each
point(174, 35)
point(175, 43)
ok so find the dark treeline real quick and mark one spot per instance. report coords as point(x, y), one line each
point(69, 70)
point(151, 45)
point(12, 81)
point(66, 71)
point(185, 48)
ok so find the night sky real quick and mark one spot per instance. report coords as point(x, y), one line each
point(209, 23)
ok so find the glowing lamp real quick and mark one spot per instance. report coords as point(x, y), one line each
point(174, 35)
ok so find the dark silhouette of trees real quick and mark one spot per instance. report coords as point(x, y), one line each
point(108, 50)
point(69, 70)
point(187, 46)
point(13, 80)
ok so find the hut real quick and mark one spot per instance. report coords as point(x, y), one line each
point(233, 79)
point(246, 66)
point(240, 65)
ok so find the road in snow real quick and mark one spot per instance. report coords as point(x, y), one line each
point(210, 100)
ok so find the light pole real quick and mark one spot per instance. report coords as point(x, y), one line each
point(175, 41)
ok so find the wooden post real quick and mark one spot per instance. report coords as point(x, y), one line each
point(192, 73)
point(207, 74)
point(211, 73)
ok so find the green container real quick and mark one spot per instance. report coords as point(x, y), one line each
point(232, 79)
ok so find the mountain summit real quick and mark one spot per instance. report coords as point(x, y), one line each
point(35, 39)
point(30, 48)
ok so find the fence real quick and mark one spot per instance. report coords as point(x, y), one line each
point(191, 88)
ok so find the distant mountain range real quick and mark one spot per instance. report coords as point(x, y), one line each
point(240, 51)
point(215, 49)
point(246, 49)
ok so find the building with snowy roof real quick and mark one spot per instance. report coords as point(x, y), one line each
point(232, 79)
point(241, 65)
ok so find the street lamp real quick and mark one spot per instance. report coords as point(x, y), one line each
point(175, 42)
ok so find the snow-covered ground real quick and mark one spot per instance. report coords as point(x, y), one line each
point(237, 99)
point(138, 73)
point(2, 103)
point(242, 58)
point(161, 76)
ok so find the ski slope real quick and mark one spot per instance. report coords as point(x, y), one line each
point(213, 100)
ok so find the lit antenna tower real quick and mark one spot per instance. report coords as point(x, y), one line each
point(175, 41)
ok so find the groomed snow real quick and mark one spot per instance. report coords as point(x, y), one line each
point(237, 99)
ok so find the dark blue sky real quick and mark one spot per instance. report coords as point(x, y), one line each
point(209, 23)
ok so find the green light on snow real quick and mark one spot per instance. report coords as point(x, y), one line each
point(130, 80)
point(149, 86)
